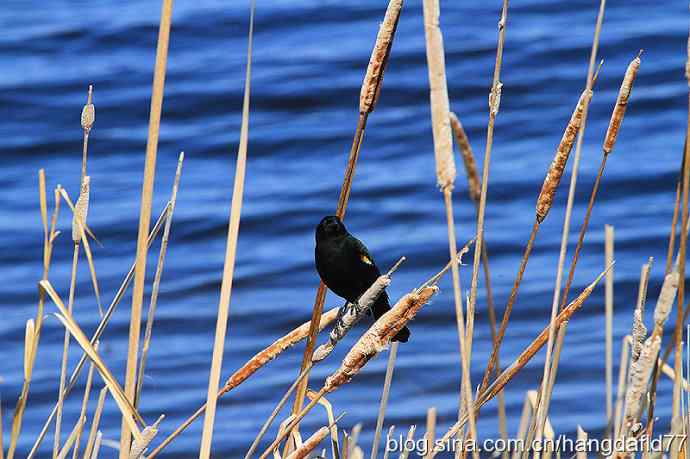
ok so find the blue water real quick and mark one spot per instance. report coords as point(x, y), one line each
point(309, 60)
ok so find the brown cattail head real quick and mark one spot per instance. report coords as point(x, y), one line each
point(621, 105)
point(473, 182)
point(81, 208)
point(553, 177)
point(88, 113)
point(371, 86)
point(440, 107)
point(310, 444)
point(379, 336)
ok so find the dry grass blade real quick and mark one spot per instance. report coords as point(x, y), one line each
point(332, 422)
point(145, 214)
point(128, 411)
point(230, 253)
point(70, 440)
point(157, 281)
point(97, 334)
point(94, 424)
point(310, 444)
point(84, 404)
point(390, 366)
point(430, 434)
point(609, 323)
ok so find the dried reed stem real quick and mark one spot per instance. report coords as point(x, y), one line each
point(674, 219)
point(494, 106)
point(620, 395)
point(145, 214)
point(70, 440)
point(97, 334)
point(230, 254)
point(609, 324)
point(310, 444)
point(500, 382)
point(84, 404)
point(410, 437)
point(81, 212)
point(474, 189)
point(390, 366)
point(369, 93)
point(251, 367)
point(94, 424)
point(430, 434)
point(49, 236)
point(157, 281)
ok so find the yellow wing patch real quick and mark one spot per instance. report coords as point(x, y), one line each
point(366, 259)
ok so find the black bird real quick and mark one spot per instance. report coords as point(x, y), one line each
point(347, 268)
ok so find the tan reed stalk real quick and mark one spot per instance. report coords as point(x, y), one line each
point(674, 219)
point(389, 435)
point(390, 366)
point(97, 335)
point(230, 254)
point(332, 421)
point(608, 230)
point(49, 235)
point(62, 454)
point(544, 203)
point(369, 345)
point(84, 404)
point(94, 424)
point(609, 141)
point(500, 382)
point(81, 212)
point(369, 93)
point(97, 445)
point(445, 176)
point(582, 439)
point(622, 377)
point(274, 414)
point(251, 367)
point(130, 414)
point(351, 313)
point(145, 213)
point(494, 106)
point(157, 281)
point(410, 437)
point(2, 432)
point(474, 189)
point(430, 434)
point(682, 247)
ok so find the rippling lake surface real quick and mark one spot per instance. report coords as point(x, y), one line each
point(309, 60)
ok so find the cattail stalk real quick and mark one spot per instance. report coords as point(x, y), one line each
point(620, 390)
point(474, 188)
point(252, 366)
point(609, 235)
point(49, 235)
point(390, 366)
point(80, 214)
point(157, 281)
point(499, 383)
point(310, 444)
point(145, 214)
point(544, 203)
point(94, 424)
point(369, 93)
point(84, 404)
point(97, 335)
point(445, 176)
point(430, 434)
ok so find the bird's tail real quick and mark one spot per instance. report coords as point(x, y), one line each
point(381, 306)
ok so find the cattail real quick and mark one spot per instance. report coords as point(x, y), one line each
point(553, 177)
point(379, 336)
point(440, 107)
point(309, 445)
point(88, 113)
point(81, 209)
point(147, 436)
point(640, 371)
point(371, 86)
point(639, 334)
point(621, 104)
point(474, 184)
point(29, 338)
point(665, 301)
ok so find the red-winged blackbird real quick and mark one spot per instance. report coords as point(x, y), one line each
point(347, 268)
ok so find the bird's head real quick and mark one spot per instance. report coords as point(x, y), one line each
point(330, 226)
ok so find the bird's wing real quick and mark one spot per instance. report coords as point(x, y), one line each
point(365, 257)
